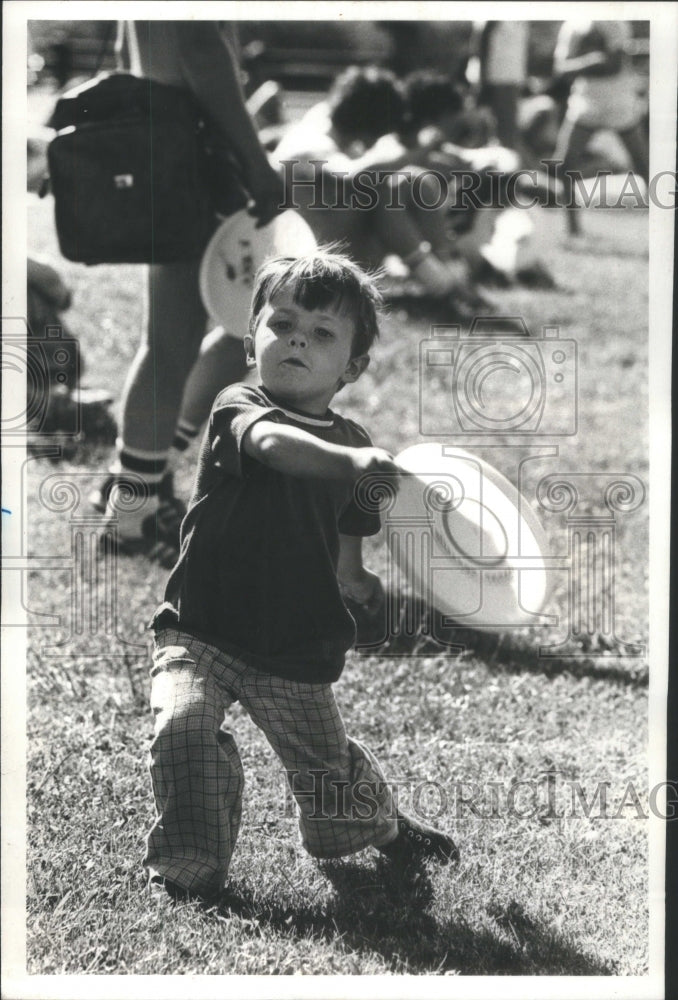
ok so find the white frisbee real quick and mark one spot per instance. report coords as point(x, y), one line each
point(466, 540)
point(234, 254)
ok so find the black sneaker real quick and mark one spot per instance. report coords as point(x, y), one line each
point(160, 884)
point(465, 304)
point(415, 842)
point(536, 275)
point(161, 532)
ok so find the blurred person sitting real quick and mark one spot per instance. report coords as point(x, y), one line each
point(451, 134)
point(351, 179)
point(594, 56)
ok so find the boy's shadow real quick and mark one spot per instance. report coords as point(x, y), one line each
point(381, 911)
point(402, 627)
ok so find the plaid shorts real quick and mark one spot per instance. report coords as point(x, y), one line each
point(343, 799)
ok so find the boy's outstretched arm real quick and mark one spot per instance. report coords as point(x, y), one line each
point(295, 452)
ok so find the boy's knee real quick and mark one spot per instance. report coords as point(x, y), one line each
point(186, 723)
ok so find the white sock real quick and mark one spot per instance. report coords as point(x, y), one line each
point(129, 510)
point(128, 505)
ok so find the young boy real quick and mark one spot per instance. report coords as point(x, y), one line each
point(253, 609)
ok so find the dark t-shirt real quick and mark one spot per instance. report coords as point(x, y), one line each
point(256, 575)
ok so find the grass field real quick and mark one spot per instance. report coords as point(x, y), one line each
point(533, 894)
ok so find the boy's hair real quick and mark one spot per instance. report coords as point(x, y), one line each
point(430, 95)
point(366, 101)
point(322, 279)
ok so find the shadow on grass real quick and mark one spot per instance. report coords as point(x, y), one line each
point(376, 911)
point(515, 650)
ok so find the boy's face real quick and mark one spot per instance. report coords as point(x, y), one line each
point(304, 354)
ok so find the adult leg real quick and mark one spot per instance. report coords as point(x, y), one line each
point(503, 100)
point(570, 147)
point(195, 768)
point(635, 141)
point(175, 324)
point(221, 362)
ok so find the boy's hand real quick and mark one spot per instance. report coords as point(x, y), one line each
point(365, 590)
point(374, 461)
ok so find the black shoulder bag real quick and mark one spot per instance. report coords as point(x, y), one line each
point(132, 174)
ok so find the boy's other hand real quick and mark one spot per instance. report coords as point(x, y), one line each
point(364, 590)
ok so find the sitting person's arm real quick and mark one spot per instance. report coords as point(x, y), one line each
point(309, 141)
point(569, 61)
point(295, 452)
point(387, 153)
point(437, 152)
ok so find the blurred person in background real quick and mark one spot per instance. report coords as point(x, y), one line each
point(604, 94)
point(199, 56)
point(454, 136)
point(497, 70)
point(327, 159)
